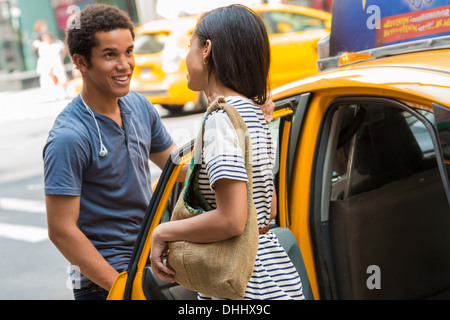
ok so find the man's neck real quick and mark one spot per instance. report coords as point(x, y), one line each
point(107, 106)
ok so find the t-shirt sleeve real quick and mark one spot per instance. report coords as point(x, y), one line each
point(65, 157)
point(160, 138)
point(222, 154)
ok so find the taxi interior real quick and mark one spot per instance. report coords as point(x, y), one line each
point(387, 203)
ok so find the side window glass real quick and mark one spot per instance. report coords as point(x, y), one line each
point(150, 43)
point(379, 145)
point(287, 22)
point(274, 128)
point(442, 115)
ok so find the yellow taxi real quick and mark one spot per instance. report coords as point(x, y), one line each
point(161, 48)
point(362, 167)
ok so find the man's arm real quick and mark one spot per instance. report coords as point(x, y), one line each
point(160, 159)
point(62, 217)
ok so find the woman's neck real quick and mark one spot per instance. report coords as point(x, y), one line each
point(216, 89)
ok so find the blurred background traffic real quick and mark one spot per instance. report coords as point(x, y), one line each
point(32, 38)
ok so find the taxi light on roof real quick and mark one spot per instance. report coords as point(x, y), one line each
point(350, 57)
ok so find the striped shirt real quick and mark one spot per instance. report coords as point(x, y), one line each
point(274, 276)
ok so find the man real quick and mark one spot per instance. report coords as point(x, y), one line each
point(95, 160)
point(97, 178)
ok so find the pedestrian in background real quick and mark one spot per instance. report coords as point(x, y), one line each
point(50, 66)
point(40, 28)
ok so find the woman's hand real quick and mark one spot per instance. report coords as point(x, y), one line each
point(158, 251)
point(226, 221)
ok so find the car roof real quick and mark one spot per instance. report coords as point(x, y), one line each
point(426, 73)
point(168, 24)
point(189, 22)
point(292, 8)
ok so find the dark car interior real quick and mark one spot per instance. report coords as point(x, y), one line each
point(388, 208)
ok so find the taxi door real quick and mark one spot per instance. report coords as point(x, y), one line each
point(369, 196)
point(138, 281)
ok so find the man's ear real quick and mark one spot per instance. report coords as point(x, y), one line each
point(80, 62)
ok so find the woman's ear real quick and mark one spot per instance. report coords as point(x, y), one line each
point(80, 62)
point(207, 50)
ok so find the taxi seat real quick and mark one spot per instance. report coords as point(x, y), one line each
point(402, 228)
point(290, 245)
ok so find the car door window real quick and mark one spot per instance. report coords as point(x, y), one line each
point(384, 201)
point(389, 145)
point(287, 22)
point(150, 43)
point(442, 115)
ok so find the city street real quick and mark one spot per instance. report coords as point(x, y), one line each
point(32, 268)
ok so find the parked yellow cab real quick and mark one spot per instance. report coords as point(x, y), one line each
point(162, 46)
point(160, 73)
point(362, 166)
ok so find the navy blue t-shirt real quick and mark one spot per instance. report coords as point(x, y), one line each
point(115, 190)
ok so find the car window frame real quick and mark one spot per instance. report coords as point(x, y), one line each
point(319, 221)
point(445, 158)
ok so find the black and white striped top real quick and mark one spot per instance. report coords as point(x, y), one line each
point(274, 276)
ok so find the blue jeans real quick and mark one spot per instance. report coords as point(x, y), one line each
point(91, 292)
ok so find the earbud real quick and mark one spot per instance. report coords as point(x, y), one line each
point(103, 151)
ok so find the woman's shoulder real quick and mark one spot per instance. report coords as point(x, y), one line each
point(249, 111)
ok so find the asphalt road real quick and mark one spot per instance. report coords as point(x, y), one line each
point(31, 268)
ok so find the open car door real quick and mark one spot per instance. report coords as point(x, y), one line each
point(138, 281)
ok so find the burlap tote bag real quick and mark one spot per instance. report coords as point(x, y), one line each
point(221, 269)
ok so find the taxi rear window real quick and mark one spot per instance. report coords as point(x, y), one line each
point(150, 43)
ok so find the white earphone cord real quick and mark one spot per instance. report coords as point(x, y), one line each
point(104, 151)
point(142, 157)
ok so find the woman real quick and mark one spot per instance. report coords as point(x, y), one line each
point(230, 57)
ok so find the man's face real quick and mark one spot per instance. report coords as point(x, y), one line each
point(112, 64)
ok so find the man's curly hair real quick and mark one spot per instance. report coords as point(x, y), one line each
point(95, 18)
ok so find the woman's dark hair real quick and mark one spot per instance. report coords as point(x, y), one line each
point(240, 54)
point(95, 18)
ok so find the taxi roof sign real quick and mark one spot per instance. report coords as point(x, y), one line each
point(372, 25)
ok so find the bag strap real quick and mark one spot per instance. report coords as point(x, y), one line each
point(241, 130)
point(191, 190)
